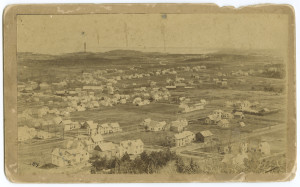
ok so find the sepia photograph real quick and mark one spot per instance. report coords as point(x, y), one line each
point(175, 91)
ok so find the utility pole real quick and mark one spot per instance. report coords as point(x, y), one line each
point(84, 43)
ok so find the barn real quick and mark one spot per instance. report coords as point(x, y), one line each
point(204, 136)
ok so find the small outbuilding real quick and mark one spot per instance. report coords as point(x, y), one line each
point(204, 136)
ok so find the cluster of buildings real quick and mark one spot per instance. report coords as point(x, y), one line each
point(27, 133)
point(153, 93)
point(140, 102)
point(154, 126)
point(221, 118)
point(245, 106)
point(67, 124)
point(68, 157)
point(241, 105)
point(187, 137)
point(105, 128)
point(32, 85)
point(181, 139)
point(81, 149)
point(194, 68)
point(168, 71)
point(185, 107)
point(178, 125)
point(237, 157)
point(221, 82)
point(242, 73)
point(88, 100)
point(97, 91)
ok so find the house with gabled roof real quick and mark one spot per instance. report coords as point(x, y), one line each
point(183, 138)
point(103, 128)
point(132, 147)
point(223, 123)
point(97, 139)
point(227, 115)
point(239, 115)
point(91, 127)
point(107, 150)
point(218, 113)
point(178, 125)
point(156, 126)
point(115, 127)
point(212, 119)
point(204, 136)
point(68, 157)
point(44, 135)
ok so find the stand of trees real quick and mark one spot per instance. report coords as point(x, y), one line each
point(149, 163)
point(146, 163)
point(191, 168)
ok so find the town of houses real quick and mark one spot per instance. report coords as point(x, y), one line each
point(112, 88)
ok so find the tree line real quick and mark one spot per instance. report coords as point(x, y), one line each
point(146, 163)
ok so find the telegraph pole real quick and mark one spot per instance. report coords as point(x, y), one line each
point(84, 43)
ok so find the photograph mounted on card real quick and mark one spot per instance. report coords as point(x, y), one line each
point(102, 93)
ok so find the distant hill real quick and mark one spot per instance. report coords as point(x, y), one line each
point(134, 56)
point(28, 55)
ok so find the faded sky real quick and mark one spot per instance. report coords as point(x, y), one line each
point(173, 33)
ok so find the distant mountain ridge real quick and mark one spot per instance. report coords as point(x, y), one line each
point(133, 54)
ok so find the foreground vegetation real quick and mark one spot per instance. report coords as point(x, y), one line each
point(147, 163)
point(153, 162)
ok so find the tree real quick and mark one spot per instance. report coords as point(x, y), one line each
point(193, 166)
point(125, 157)
point(144, 156)
point(100, 164)
point(116, 165)
point(180, 165)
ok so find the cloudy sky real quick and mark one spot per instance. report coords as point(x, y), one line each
point(172, 33)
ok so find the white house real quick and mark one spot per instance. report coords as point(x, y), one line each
point(91, 127)
point(68, 157)
point(132, 147)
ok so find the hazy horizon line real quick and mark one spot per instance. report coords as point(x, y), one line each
point(208, 51)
